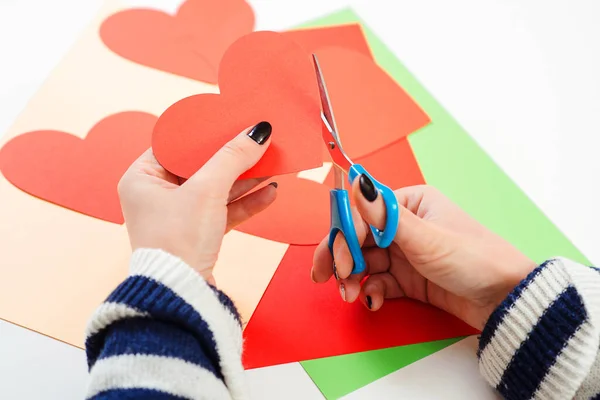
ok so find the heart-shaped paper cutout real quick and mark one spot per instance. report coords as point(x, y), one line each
point(393, 163)
point(263, 77)
point(299, 215)
point(298, 320)
point(79, 174)
point(371, 110)
point(189, 43)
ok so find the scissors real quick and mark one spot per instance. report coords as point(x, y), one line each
point(341, 213)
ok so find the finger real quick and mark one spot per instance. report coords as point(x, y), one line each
point(244, 208)
point(350, 288)
point(243, 186)
point(369, 201)
point(236, 157)
point(344, 262)
point(369, 241)
point(411, 229)
point(377, 260)
point(322, 268)
point(377, 288)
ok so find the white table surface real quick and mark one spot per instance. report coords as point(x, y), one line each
point(522, 76)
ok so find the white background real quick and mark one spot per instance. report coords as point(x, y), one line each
point(522, 76)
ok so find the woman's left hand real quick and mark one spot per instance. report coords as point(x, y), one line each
point(189, 219)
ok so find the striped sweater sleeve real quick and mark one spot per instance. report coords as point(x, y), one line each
point(165, 333)
point(543, 341)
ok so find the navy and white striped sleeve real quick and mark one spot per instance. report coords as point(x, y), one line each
point(543, 341)
point(165, 333)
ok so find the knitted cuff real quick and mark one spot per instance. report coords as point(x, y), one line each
point(162, 287)
point(541, 341)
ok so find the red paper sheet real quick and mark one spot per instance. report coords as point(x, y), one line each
point(370, 108)
point(299, 215)
point(395, 166)
point(299, 320)
point(348, 36)
point(263, 77)
point(81, 175)
point(189, 43)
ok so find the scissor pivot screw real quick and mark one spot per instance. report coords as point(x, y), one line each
point(332, 145)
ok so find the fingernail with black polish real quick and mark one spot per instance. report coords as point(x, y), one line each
point(369, 302)
point(261, 132)
point(274, 184)
point(367, 188)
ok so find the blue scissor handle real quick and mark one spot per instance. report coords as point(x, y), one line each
point(341, 221)
point(341, 218)
point(385, 237)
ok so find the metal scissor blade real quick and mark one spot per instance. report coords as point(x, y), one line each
point(325, 102)
point(330, 135)
point(337, 156)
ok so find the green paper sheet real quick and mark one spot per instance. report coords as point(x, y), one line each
point(453, 162)
point(352, 366)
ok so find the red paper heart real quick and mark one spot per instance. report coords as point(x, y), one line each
point(81, 175)
point(189, 43)
point(297, 319)
point(371, 110)
point(299, 215)
point(263, 77)
point(393, 163)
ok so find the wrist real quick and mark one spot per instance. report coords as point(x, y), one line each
point(201, 263)
point(201, 268)
point(512, 271)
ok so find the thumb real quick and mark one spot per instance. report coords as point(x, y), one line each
point(412, 230)
point(233, 159)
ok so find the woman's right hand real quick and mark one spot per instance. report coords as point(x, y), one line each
point(440, 256)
